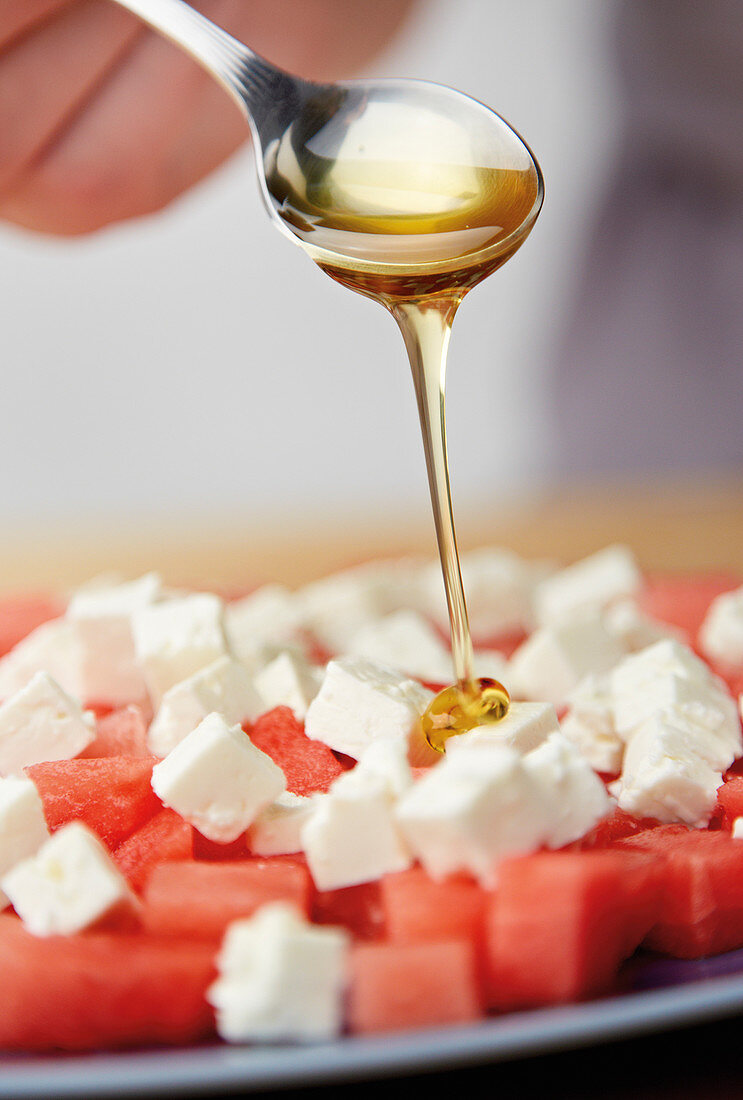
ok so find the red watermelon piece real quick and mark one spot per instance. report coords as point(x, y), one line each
point(701, 907)
point(121, 732)
point(358, 908)
point(561, 923)
point(165, 837)
point(729, 802)
point(308, 765)
point(20, 614)
point(418, 908)
point(401, 986)
point(112, 795)
point(683, 600)
point(187, 898)
point(101, 990)
point(615, 826)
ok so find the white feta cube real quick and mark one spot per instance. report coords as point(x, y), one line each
point(472, 810)
point(721, 633)
point(634, 629)
point(53, 648)
point(351, 835)
point(69, 884)
point(23, 827)
point(499, 587)
point(223, 687)
point(524, 726)
point(289, 680)
point(665, 776)
point(715, 708)
point(360, 702)
point(277, 830)
point(101, 618)
point(553, 661)
point(405, 641)
point(638, 670)
point(42, 722)
point(587, 585)
point(262, 622)
point(177, 637)
point(589, 724)
point(218, 780)
point(280, 979)
point(571, 786)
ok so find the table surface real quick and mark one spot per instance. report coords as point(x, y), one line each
point(670, 527)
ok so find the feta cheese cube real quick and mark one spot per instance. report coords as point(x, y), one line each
point(665, 776)
point(351, 835)
point(405, 641)
point(218, 780)
point(587, 585)
point(101, 618)
point(671, 690)
point(721, 633)
point(589, 724)
point(223, 687)
point(53, 648)
point(634, 629)
point(289, 680)
point(638, 670)
point(553, 661)
point(280, 979)
point(360, 702)
point(41, 722)
point(178, 637)
point(524, 726)
point(571, 786)
point(262, 622)
point(277, 830)
point(472, 810)
point(68, 885)
point(23, 827)
point(499, 586)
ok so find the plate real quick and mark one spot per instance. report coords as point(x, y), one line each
point(660, 995)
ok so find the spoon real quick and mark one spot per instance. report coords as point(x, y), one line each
point(383, 176)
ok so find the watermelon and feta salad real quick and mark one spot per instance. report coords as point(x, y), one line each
point(219, 820)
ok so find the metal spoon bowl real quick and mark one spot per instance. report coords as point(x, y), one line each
point(384, 176)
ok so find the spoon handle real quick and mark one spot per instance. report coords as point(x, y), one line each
point(254, 83)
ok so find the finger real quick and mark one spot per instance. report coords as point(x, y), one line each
point(46, 77)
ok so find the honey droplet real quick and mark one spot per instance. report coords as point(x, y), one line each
point(458, 709)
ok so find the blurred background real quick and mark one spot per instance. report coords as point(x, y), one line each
point(194, 368)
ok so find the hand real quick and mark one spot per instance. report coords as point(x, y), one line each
point(102, 120)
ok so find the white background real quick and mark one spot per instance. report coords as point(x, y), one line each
point(196, 364)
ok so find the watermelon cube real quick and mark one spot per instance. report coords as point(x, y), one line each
point(309, 766)
point(402, 986)
point(192, 899)
point(101, 990)
point(701, 903)
point(112, 795)
point(165, 837)
point(418, 908)
point(358, 908)
point(121, 732)
point(561, 923)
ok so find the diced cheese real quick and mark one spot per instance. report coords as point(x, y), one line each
point(589, 724)
point(23, 827)
point(101, 617)
point(53, 648)
point(41, 722)
point(555, 658)
point(280, 979)
point(360, 702)
point(68, 885)
point(571, 786)
point(289, 680)
point(721, 633)
point(351, 835)
point(218, 780)
point(277, 830)
point(176, 638)
point(223, 687)
point(524, 726)
point(261, 623)
point(587, 585)
point(634, 629)
point(405, 641)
